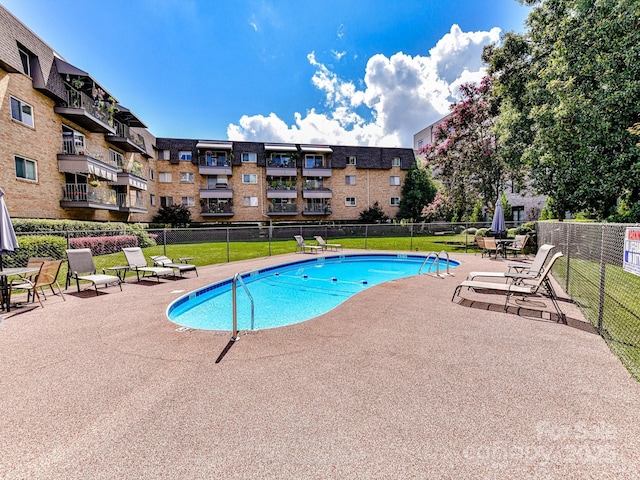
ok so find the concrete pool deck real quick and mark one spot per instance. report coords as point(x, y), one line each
point(398, 382)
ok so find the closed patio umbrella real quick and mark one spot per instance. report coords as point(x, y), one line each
point(498, 224)
point(8, 240)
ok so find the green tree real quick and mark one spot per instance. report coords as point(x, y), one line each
point(568, 92)
point(418, 191)
point(373, 214)
point(176, 215)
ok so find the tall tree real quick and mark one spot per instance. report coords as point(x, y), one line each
point(464, 152)
point(418, 190)
point(569, 90)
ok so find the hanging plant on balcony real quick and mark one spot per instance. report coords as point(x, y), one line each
point(94, 183)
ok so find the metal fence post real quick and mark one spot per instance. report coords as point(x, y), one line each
point(164, 241)
point(603, 268)
point(366, 235)
point(411, 237)
point(228, 247)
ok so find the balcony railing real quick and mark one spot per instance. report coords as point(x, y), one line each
point(281, 162)
point(213, 207)
point(315, 185)
point(124, 131)
point(70, 147)
point(280, 185)
point(283, 208)
point(210, 161)
point(85, 192)
point(78, 99)
point(127, 201)
point(317, 209)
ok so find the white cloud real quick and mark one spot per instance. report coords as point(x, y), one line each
point(400, 96)
point(338, 55)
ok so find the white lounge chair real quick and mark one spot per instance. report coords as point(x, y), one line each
point(163, 261)
point(523, 289)
point(327, 246)
point(81, 267)
point(518, 271)
point(303, 247)
point(138, 264)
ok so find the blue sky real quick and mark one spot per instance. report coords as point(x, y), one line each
point(352, 72)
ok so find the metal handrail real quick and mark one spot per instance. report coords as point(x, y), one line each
point(236, 277)
point(437, 258)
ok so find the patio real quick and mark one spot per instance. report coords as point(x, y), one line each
point(398, 382)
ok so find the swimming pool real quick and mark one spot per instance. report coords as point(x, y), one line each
point(294, 292)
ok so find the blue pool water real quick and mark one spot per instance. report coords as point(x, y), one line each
point(293, 292)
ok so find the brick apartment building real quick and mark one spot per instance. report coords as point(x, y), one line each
point(68, 149)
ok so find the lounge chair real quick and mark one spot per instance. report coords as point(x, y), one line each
point(163, 261)
point(47, 277)
point(518, 245)
point(303, 247)
point(519, 272)
point(524, 289)
point(138, 264)
point(81, 267)
point(327, 246)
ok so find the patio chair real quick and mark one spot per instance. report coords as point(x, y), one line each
point(47, 277)
point(81, 267)
point(138, 264)
point(480, 244)
point(519, 272)
point(523, 289)
point(518, 245)
point(303, 247)
point(490, 245)
point(327, 246)
point(163, 261)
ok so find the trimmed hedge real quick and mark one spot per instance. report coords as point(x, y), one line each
point(104, 245)
point(36, 246)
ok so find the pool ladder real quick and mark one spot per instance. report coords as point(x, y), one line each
point(436, 258)
point(234, 286)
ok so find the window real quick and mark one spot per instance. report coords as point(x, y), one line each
point(151, 174)
point(249, 201)
point(351, 160)
point(395, 201)
point(184, 156)
point(164, 154)
point(420, 144)
point(395, 162)
point(116, 158)
point(25, 58)
point(152, 199)
point(22, 112)
point(313, 161)
point(394, 180)
point(188, 201)
point(249, 157)
point(350, 202)
point(164, 177)
point(518, 214)
point(166, 201)
point(73, 141)
point(350, 180)
point(186, 177)
point(26, 169)
point(249, 178)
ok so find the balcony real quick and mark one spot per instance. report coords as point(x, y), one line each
point(85, 195)
point(316, 189)
point(214, 165)
point(317, 209)
point(276, 209)
point(83, 110)
point(282, 189)
point(131, 204)
point(281, 167)
point(127, 140)
point(316, 168)
point(218, 192)
point(216, 207)
point(76, 159)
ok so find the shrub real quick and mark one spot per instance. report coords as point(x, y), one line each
point(104, 245)
point(36, 246)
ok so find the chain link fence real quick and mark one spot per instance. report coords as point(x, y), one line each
point(591, 273)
